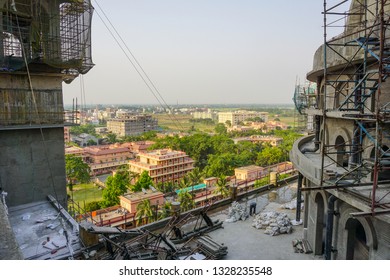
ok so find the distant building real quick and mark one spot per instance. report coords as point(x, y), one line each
point(129, 124)
point(107, 158)
point(205, 115)
point(163, 165)
point(240, 128)
point(130, 201)
point(240, 116)
point(273, 141)
point(67, 134)
point(84, 139)
point(250, 173)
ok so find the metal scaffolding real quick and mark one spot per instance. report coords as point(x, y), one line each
point(55, 34)
point(356, 66)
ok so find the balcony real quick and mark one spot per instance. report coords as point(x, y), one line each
point(356, 194)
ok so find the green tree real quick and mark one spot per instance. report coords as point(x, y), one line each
point(76, 170)
point(269, 156)
point(228, 123)
point(165, 210)
point(144, 182)
point(195, 176)
point(92, 206)
point(221, 164)
point(144, 212)
point(220, 128)
point(186, 201)
point(112, 138)
point(184, 183)
point(116, 186)
point(222, 187)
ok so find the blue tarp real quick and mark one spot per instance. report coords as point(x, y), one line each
point(193, 188)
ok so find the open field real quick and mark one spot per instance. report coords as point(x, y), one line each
point(84, 193)
point(182, 123)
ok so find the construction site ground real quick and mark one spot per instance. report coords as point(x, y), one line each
point(245, 242)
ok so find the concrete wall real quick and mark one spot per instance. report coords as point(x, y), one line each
point(377, 232)
point(31, 168)
point(19, 106)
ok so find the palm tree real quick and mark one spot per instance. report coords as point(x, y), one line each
point(165, 211)
point(195, 176)
point(144, 212)
point(186, 200)
point(222, 188)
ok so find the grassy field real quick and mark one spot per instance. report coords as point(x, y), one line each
point(84, 193)
point(182, 123)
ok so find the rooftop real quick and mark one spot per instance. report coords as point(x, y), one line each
point(42, 231)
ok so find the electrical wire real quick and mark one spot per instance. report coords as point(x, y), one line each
point(141, 72)
point(36, 107)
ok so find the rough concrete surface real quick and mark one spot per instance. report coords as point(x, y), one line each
point(245, 242)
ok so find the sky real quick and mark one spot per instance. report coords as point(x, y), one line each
point(200, 51)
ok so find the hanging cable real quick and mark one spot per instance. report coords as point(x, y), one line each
point(145, 78)
point(35, 105)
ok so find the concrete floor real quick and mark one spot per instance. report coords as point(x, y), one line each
point(245, 242)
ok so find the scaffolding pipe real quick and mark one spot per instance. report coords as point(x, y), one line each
point(299, 197)
point(329, 227)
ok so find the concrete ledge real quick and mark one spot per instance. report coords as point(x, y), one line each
point(306, 166)
point(9, 248)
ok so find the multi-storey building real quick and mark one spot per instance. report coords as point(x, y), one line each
point(209, 114)
point(107, 158)
point(130, 124)
point(163, 165)
point(344, 166)
point(240, 116)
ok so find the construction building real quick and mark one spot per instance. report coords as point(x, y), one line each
point(238, 117)
point(42, 44)
point(130, 124)
point(344, 164)
point(163, 165)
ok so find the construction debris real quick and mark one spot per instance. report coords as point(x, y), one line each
point(274, 223)
point(211, 249)
point(302, 246)
point(237, 212)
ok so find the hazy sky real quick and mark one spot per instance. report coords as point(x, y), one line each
point(202, 51)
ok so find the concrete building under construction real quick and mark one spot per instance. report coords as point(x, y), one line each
point(42, 44)
point(344, 164)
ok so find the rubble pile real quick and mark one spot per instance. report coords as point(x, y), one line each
point(301, 246)
point(273, 223)
point(237, 212)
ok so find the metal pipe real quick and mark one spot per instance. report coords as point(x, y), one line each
point(299, 197)
point(329, 227)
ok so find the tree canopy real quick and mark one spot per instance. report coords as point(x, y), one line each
point(76, 170)
point(144, 182)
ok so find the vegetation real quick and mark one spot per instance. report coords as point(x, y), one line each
point(222, 188)
point(85, 193)
point(85, 128)
point(144, 212)
point(76, 170)
point(116, 186)
point(144, 182)
point(186, 201)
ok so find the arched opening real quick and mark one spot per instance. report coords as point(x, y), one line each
point(341, 155)
point(319, 225)
point(384, 161)
point(357, 248)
